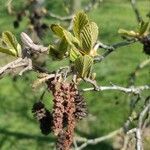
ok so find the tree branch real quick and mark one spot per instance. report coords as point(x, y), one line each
point(133, 75)
point(61, 18)
point(136, 11)
point(97, 140)
point(132, 89)
point(138, 130)
point(110, 49)
point(28, 43)
point(26, 63)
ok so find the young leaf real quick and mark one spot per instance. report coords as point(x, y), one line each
point(74, 54)
point(83, 66)
point(10, 44)
point(54, 53)
point(143, 27)
point(58, 30)
point(7, 51)
point(89, 35)
point(79, 21)
point(72, 41)
point(60, 50)
point(63, 46)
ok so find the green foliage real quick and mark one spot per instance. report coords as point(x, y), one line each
point(9, 44)
point(81, 43)
point(57, 30)
point(88, 37)
point(144, 27)
point(72, 41)
point(58, 51)
point(104, 107)
point(79, 21)
point(74, 54)
point(83, 65)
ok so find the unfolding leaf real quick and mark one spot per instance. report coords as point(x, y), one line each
point(58, 30)
point(73, 41)
point(128, 33)
point(88, 36)
point(74, 54)
point(79, 21)
point(11, 44)
point(83, 66)
point(60, 50)
point(143, 27)
point(54, 53)
point(63, 46)
point(7, 51)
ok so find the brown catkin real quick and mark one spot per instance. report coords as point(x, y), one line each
point(58, 108)
point(43, 116)
point(65, 138)
point(81, 106)
point(69, 106)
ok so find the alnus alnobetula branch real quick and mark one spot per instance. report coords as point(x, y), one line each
point(80, 47)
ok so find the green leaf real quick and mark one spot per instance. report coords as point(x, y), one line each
point(60, 50)
point(11, 44)
point(143, 27)
point(58, 30)
point(7, 51)
point(63, 46)
point(74, 54)
point(73, 41)
point(89, 36)
point(54, 53)
point(79, 21)
point(83, 66)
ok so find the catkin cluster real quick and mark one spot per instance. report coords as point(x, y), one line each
point(68, 107)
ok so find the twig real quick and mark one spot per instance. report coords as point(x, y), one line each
point(92, 4)
point(139, 145)
point(110, 49)
point(97, 140)
point(134, 90)
point(28, 43)
point(138, 130)
point(26, 63)
point(44, 79)
point(133, 75)
point(133, 115)
point(136, 11)
point(9, 7)
point(61, 18)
